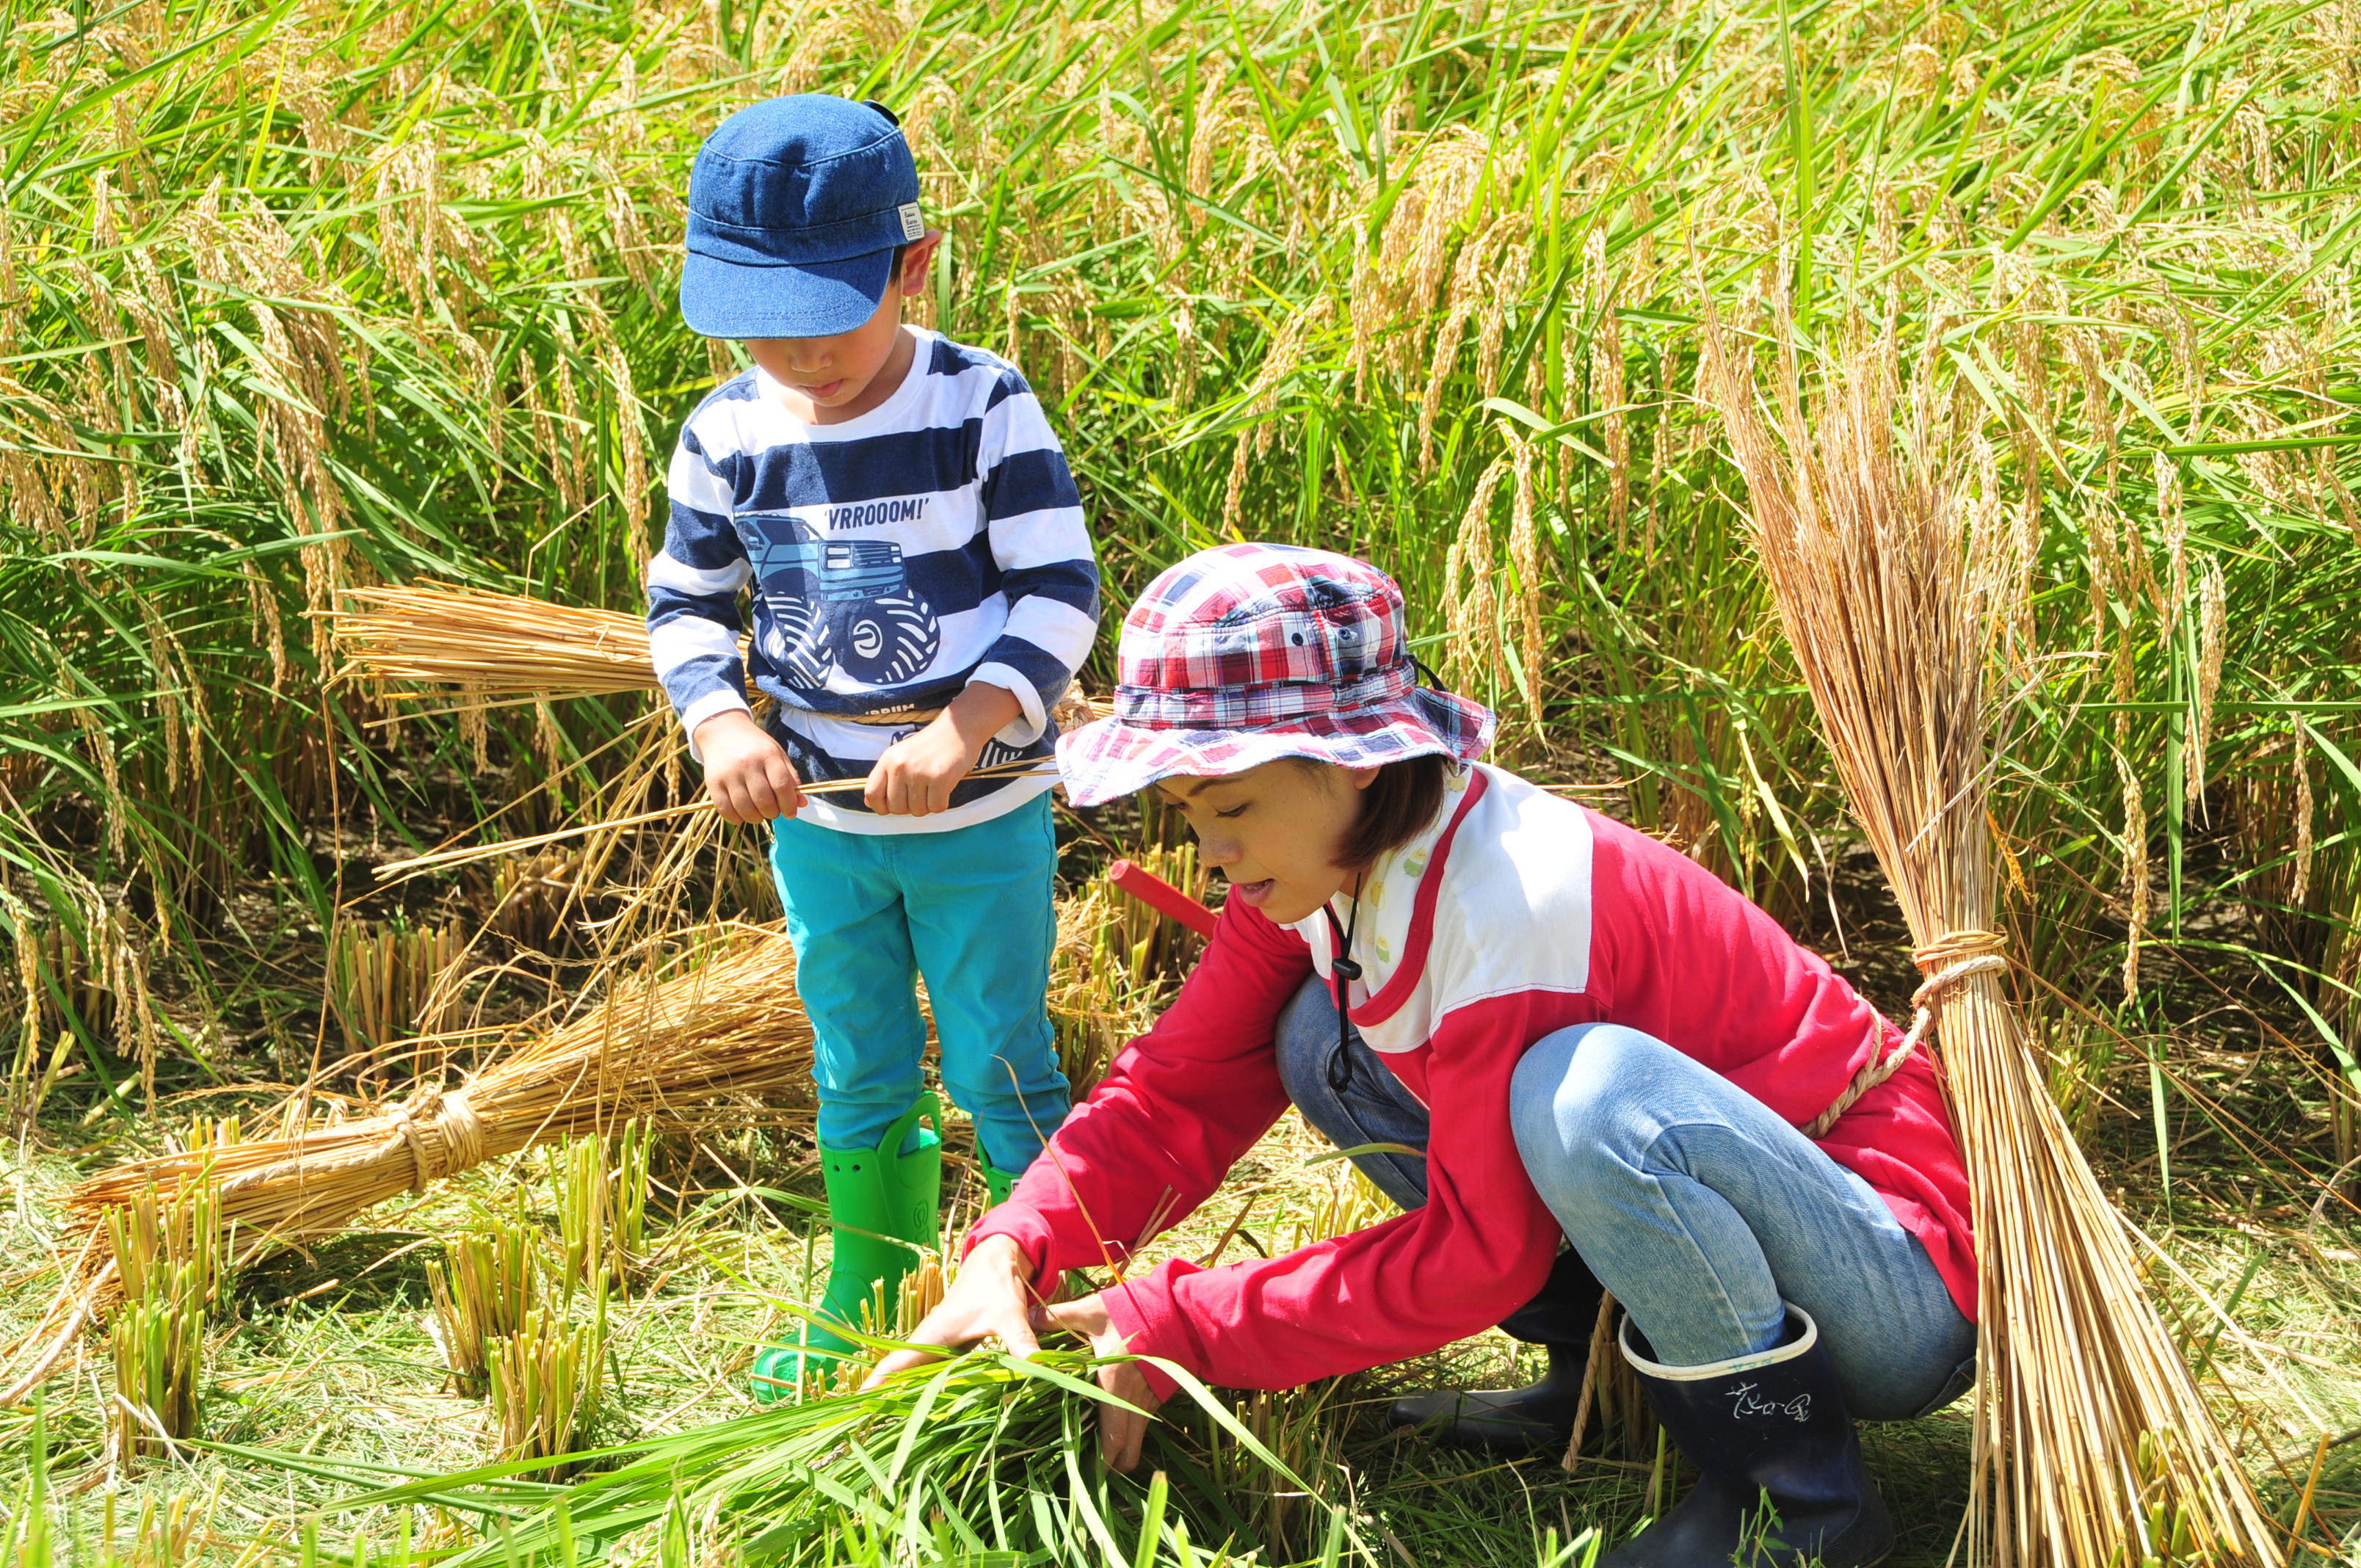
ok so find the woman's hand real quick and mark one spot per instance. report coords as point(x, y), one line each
point(1121, 1431)
point(992, 1295)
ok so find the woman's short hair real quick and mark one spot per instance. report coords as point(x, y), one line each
point(1397, 807)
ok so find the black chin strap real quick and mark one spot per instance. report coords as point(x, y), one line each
point(1343, 969)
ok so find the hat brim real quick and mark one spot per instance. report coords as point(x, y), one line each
point(1109, 759)
point(822, 299)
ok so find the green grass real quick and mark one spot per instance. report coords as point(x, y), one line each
point(328, 1372)
point(296, 297)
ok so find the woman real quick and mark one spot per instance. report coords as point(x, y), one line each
point(1591, 1038)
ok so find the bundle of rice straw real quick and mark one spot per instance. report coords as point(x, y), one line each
point(2092, 1445)
point(476, 650)
point(720, 1022)
point(497, 648)
point(494, 648)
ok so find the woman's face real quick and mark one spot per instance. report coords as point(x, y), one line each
point(1276, 830)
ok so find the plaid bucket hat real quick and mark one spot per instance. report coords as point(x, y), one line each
point(1246, 654)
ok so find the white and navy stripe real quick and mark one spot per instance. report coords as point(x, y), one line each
point(893, 558)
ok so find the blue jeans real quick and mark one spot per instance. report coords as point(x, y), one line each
point(969, 910)
point(1697, 1208)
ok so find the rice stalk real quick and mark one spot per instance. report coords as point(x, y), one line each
point(599, 1183)
point(2092, 1444)
point(1350, 1203)
point(389, 979)
point(547, 1380)
point(171, 1258)
point(979, 1453)
point(2212, 598)
point(493, 649)
point(480, 1290)
point(1103, 981)
point(1145, 943)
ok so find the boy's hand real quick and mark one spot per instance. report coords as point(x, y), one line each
point(746, 771)
point(916, 774)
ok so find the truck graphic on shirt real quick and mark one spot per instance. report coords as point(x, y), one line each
point(838, 603)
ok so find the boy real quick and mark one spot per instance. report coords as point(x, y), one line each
point(923, 590)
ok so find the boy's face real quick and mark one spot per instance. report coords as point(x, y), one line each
point(844, 376)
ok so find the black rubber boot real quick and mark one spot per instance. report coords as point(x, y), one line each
point(1783, 1481)
point(1541, 1415)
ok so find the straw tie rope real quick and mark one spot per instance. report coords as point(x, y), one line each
point(444, 1133)
point(1945, 962)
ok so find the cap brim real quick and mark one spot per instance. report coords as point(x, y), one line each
point(1109, 759)
point(729, 299)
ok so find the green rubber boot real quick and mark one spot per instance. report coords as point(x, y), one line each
point(997, 1183)
point(885, 1194)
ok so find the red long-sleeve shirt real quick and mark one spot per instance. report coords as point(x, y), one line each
point(1536, 914)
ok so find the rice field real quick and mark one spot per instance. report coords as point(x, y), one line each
point(303, 307)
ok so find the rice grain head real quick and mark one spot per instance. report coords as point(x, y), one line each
point(1524, 554)
point(1608, 393)
point(2304, 811)
point(630, 437)
point(1285, 356)
point(1467, 293)
point(100, 742)
point(2213, 627)
point(1471, 610)
point(1491, 331)
point(2136, 872)
point(2173, 521)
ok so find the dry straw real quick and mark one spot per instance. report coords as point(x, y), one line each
point(721, 1023)
point(2092, 1445)
point(487, 649)
point(478, 650)
point(497, 649)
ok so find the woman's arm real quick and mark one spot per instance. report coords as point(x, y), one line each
point(1152, 1142)
point(1478, 1250)
point(1180, 1105)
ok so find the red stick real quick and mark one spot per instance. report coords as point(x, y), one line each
point(1161, 896)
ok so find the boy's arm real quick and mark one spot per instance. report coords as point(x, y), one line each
point(693, 587)
point(1048, 574)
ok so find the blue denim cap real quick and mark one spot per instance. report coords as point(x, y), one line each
point(795, 207)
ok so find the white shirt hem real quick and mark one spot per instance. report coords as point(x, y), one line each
point(999, 803)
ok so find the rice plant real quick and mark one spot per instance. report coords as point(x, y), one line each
point(1420, 282)
point(300, 304)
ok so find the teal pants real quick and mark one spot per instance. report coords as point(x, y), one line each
point(971, 910)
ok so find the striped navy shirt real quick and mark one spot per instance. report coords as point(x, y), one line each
point(894, 558)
